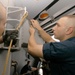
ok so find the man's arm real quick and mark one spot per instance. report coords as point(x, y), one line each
point(34, 48)
point(45, 36)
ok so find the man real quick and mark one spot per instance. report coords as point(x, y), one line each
point(60, 54)
point(7, 37)
point(2, 20)
point(27, 69)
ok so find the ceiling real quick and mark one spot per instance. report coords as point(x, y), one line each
point(34, 7)
point(55, 9)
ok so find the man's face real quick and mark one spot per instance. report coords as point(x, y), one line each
point(60, 29)
point(3, 21)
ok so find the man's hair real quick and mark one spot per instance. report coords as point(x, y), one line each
point(70, 19)
point(70, 16)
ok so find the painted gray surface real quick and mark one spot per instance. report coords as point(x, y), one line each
point(2, 62)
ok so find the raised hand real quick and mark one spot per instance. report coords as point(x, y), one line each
point(35, 24)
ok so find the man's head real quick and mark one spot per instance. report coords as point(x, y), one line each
point(2, 18)
point(65, 28)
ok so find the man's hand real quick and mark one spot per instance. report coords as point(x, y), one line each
point(35, 24)
point(10, 36)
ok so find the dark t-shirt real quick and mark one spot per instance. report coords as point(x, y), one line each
point(61, 56)
point(25, 69)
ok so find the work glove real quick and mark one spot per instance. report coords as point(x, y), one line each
point(10, 36)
